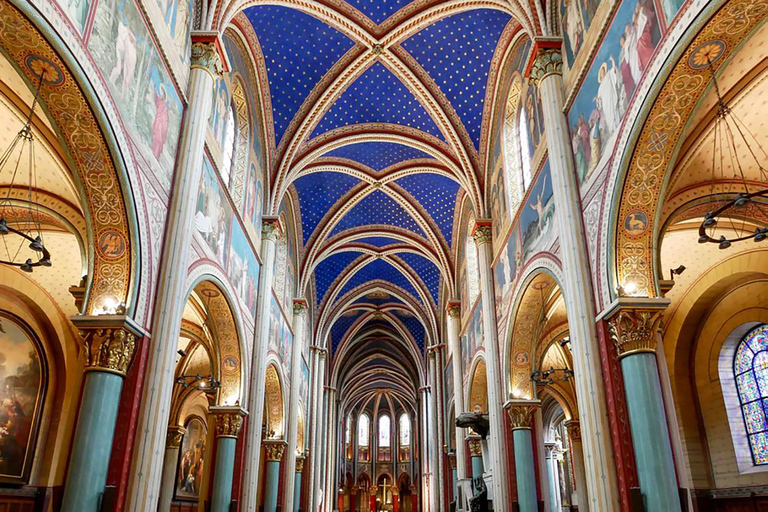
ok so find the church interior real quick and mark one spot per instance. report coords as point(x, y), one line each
point(383, 255)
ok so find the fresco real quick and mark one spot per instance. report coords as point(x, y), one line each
point(499, 204)
point(472, 339)
point(178, 19)
point(537, 216)
point(213, 218)
point(221, 108)
point(448, 387)
point(125, 53)
point(243, 268)
point(21, 399)
point(575, 18)
point(599, 107)
point(304, 396)
point(505, 272)
point(534, 118)
point(254, 193)
point(76, 11)
point(280, 336)
point(670, 8)
point(189, 476)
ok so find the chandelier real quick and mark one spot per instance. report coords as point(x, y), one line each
point(726, 222)
point(21, 234)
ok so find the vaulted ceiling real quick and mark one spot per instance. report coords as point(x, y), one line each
point(380, 115)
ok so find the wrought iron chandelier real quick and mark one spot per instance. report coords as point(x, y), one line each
point(20, 217)
point(747, 199)
point(203, 382)
point(549, 377)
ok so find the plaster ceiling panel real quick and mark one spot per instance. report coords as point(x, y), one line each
point(11, 78)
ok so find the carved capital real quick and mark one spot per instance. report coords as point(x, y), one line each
point(574, 430)
point(482, 232)
point(550, 450)
point(475, 446)
point(275, 450)
point(452, 459)
point(548, 61)
point(454, 309)
point(635, 330)
point(175, 434)
point(270, 228)
point(299, 307)
point(228, 420)
point(521, 413)
point(300, 464)
point(206, 56)
point(109, 342)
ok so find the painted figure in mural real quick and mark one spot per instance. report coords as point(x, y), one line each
point(125, 54)
point(573, 28)
point(191, 461)
point(162, 118)
point(539, 206)
point(77, 11)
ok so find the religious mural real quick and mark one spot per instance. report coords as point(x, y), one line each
point(189, 476)
point(21, 397)
point(213, 218)
point(448, 383)
point(533, 127)
point(575, 19)
point(506, 271)
point(243, 268)
point(221, 108)
point(178, 18)
point(602, 101)
point(537, 216)
point(124, 51)
point(472, 339)
point(76, 11)
point(280, 336)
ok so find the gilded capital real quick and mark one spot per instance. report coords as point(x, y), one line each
point(635, 330)
point(270, 228)
point(452, 459)
point(299, 306)
point(274, 450)
point(574, 430)
point(483, 234)
point(109, 342)
point(454, 309)
point(548, 61)
point(175, 434)
point(300, 464)
point(205, 56)
point(521, 413)
point(228, 420)
point(475, 446)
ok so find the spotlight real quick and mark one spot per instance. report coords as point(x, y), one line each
point(676, 272)
point(182, 352)
point(724, 242)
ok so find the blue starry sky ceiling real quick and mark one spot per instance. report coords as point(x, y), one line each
point(378, 155)
point(298, 50)
point(437, 195)
point(342, 325)
point(328, 270)
point(377, 241)
point(427, 270)
point(457, 53)
point(377, 96)
point(380, 269)
point(377, 208)
point(318, 192)
point(378, 10)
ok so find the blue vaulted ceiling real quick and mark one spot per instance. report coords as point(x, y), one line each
point(451, 58)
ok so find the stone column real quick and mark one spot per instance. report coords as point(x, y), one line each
point(299, 321)
point(497, 441)
point(440, 441)
point(521, 417)
point(635, 327)
point(109, 342)
point(546, 71)
point(251, 461)
point(427, 501)
point(553, 477)
point(476, 453)
point(318, 383)
point(171, 293)
point(577, 460)
point(454, 347)
point(170, 463)
point(434, 448)
point(454, 477)
point(228, 422)
point(297, 483)
point(275, 449)
point(329, 450)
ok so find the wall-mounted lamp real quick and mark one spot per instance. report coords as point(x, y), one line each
point(676, 272)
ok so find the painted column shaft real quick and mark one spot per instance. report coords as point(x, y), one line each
point(435, 502)
point(477, 466)
point(169, 303)
point(553, 478)
point(525, 474)
point(89, 461)
point(601, 480)
point(221, 492)
point(330, 451)
point(497, 438)
point(454, 318)
point(270, 487)
point(441, 459)
point(252, 455)
point(650, 434)
point(296, 493)
point(318, 378)
point(299, 310)
point(169, 478)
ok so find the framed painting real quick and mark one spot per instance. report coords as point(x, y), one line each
point(189, 475)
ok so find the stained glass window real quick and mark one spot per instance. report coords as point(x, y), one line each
point(750, 368)
point(363, 430)
point(385, 429)
point(228, 152)
point(405, 430)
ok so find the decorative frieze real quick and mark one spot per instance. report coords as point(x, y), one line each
point(228, 420)
point(109, 342)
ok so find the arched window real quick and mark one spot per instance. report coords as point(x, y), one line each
point(363, 431)
point(513, 173)
point(473, 272)
point(525, 155)
point(228, 148)
point(348, 433)
point(385, 431)
point(405, 430)
point(750, 368)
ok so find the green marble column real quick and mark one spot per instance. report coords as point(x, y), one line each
point(275, 450)
point(297, 483)
point(228, 421)
point(476, 453)
point(635, 331)
point(521, 416)
point(109, 341)
point(454, 475)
